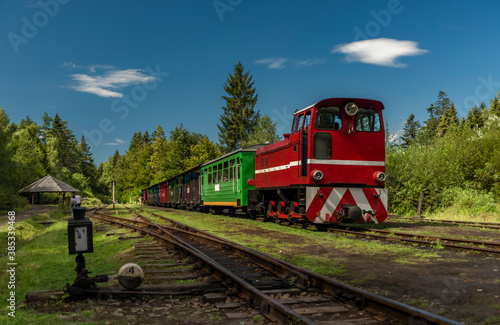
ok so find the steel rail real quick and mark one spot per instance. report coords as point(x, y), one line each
point(267, 306)
point(340, 290)
point(435, 240)
point(479, 224)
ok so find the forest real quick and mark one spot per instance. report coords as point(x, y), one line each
point(454, 161)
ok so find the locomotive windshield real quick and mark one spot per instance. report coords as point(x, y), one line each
point(328, 118)
point(367, 120)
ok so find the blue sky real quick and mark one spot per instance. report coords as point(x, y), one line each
point(111, 68)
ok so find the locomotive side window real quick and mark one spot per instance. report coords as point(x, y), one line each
point(293, 124)
point(367, 120)
point(328, 118)
point(307, 120)
point(322, 145)
point(299, 123)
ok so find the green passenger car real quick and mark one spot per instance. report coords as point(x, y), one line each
point(224, 180)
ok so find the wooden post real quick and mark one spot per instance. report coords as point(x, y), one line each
point(33, 198)
point(59, 195)
point(419, 208)
point(114, 194)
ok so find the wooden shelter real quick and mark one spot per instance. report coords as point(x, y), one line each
point(48, 184)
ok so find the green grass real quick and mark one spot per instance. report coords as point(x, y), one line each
point(299, 251)
point(45, 264)
point(436, 229)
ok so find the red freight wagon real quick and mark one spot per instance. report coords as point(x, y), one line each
point(163, 193)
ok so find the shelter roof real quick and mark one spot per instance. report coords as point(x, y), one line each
point(48, 184)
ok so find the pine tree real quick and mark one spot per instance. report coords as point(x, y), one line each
point(495, 105)
point(448, 120)
point(7, 177)
point(46, 126)
point(61, 147)
point(136, 141)
point(86, 164)
point(146, 139)
point(238, 118)
point(435, 111)
point(159, 150)
point(410, 131)
point(474, 117)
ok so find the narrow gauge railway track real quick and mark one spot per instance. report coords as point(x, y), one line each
point(327, 296)
point(478, 224)
point(455, 243)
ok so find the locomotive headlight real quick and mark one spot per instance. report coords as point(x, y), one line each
point(317, 175)
point(351, 109)
point(379, 177)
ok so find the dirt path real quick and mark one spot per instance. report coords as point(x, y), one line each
point(32, 211)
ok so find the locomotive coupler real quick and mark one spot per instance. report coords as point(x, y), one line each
point(351, 213)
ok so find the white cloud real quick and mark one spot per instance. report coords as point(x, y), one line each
point(274, 63)
point(310, 62)
point(107, 84)
point(69, 64)
point(380, 51)
point(394, 137)
point(92, 68)
point(116, 143)
point(279, 63)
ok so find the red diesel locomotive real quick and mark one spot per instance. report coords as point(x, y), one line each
point(328, 169)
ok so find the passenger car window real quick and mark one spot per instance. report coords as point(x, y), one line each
point(328, 118)
point(367, 120)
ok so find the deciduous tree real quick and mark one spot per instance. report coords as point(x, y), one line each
point(264, 132)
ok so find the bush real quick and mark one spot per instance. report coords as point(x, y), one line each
point(469, 201)
point(460, 169)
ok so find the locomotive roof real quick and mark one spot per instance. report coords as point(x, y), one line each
point(246, 149)
point(337, 100)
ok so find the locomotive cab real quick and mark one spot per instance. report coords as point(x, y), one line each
point(330, 168)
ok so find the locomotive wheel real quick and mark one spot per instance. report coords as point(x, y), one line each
point(271, 210)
